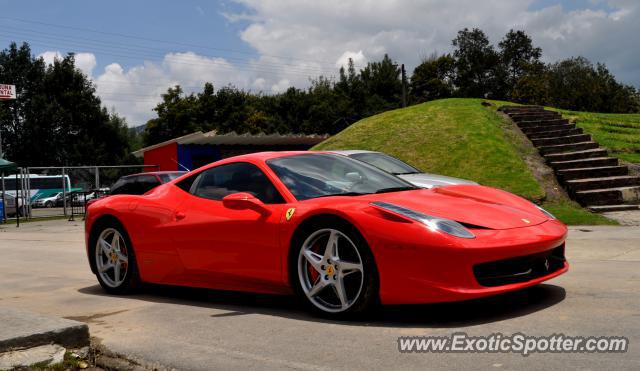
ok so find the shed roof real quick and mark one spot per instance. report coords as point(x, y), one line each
point(233, 138)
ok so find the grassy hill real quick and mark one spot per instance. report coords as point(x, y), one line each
point(620, 133)
point(461, 138)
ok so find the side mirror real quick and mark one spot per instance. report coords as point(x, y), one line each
point(243, 201)
point(354, 177)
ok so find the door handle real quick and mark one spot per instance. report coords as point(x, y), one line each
point(180, 215)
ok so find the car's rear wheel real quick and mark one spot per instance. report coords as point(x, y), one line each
point(114, 260)
point(335, 272)
point(48, 204)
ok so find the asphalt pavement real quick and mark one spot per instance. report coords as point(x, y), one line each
point(43, 269)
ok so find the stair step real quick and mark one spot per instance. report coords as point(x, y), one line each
point(591, 172)
point(545, 122)
point(578, 138)
point(555, 133)
point(609, 196)
point(609, 208)
point(533, 113)
point(514, 109)
point(571, 147)
point(535, 117)
point(576, 155)
point(576, 185)
point(543, 129)
point(584, 163)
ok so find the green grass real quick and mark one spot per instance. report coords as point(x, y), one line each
point(455, 137)
point(571, 213)
point(619, 133)
point(460, 138)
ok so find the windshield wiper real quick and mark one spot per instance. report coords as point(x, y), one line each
point(343, 194)
point(407, 173)
point(395, 189)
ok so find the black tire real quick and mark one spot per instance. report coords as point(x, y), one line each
point(48, 204)
point(131, 281)
point(368, 297)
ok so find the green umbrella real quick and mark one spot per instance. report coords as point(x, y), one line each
point(7, 166)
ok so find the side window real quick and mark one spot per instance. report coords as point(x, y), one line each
point(146, 183)
point(220, 181)
point(122, 186)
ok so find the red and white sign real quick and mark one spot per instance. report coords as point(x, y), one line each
point(7, 92)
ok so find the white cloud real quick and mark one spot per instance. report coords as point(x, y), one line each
point(358, 59)
point(136, 91)
point(86, 62)
point(318, 36)
point(50, 56)
point(329, 30)
point(281, 86)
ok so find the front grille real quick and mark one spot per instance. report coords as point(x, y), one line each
point(520, 269)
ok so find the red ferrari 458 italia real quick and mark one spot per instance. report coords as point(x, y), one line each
point(341, 234)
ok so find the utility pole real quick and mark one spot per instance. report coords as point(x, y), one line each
point(404, 86)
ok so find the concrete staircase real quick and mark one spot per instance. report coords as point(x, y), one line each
point(585, 170)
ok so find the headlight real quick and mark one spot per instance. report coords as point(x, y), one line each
point(545, 212)
point(432, 222)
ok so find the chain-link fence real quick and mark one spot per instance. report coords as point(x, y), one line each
point(38, 192)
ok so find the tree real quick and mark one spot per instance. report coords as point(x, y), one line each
point(57, 118)
point(177, 116)
point(383, 85)
point(476, 62)
point(433, 78)
point(517, 55)
point(532, 87)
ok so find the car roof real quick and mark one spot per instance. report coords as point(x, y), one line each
point(349, 152)
point(255, 157)
point(156, 173)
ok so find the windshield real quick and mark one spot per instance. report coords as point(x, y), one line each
point(322, 175)
point(385, 162)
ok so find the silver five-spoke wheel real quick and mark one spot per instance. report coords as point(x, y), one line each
point(330, 270)
point(112, 258)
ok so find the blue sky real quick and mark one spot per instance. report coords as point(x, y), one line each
point(134, 50)
point(180, 24)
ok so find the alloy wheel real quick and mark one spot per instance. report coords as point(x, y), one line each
point(112, 258)
point(330, 270)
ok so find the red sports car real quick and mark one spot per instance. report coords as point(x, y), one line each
point(341, 234)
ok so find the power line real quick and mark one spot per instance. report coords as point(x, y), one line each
point(158, 40)
point(161, 52)
point(179, 59)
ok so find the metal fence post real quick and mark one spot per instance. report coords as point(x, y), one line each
point(97, 178)
point(28, 184)
point(64, 192)
point(17, 203)
point(4, 201)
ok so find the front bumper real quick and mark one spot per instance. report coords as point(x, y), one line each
point(495, 262)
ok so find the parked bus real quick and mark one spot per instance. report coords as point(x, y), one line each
point(40, 186)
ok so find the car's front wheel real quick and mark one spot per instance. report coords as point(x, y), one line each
point(335, 271)
point(114, 260)
point(48, 204)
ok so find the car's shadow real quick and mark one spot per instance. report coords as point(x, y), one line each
point(443, 315)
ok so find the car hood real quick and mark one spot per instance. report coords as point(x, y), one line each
point(427, 180)
point(469, 204)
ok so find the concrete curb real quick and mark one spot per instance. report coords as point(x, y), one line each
point(21, 329)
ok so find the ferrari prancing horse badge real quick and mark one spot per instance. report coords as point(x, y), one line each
point(290, 213)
